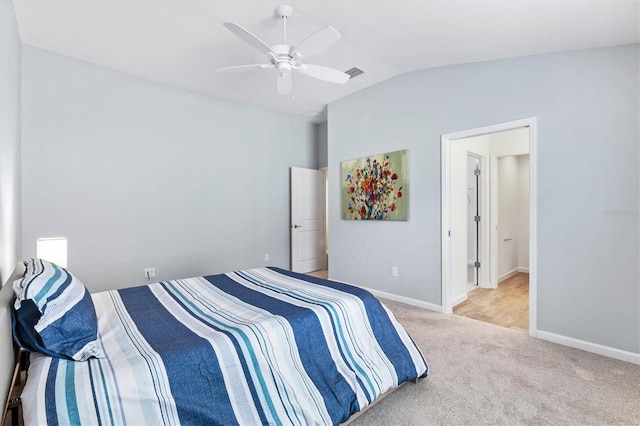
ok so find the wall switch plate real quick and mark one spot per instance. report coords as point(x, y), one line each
point(394, 271)
point(149, 273)
point(266, 257)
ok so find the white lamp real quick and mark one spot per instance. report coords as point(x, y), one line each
point(53, 249)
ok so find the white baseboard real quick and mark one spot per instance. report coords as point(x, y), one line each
point(512, 273)
point(458, 300)
point(595, 348)
point(508, 274)
point(406, 300)
point(402, 299)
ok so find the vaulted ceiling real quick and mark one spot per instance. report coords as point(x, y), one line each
point(182, 42)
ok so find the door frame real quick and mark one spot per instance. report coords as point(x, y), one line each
point(493, 221)
point(446, 140)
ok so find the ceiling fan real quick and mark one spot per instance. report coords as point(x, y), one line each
point(285, 58)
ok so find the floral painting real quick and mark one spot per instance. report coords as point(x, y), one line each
point(375, 187)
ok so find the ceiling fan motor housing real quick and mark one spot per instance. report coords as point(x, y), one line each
point(282, 58)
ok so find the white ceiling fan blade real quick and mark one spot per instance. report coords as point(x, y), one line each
point(317, 42)
point(285, 83)
point(324, 73)
point(241, 68)
point(248, 37)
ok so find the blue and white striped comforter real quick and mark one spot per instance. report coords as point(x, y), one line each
point(262, 346)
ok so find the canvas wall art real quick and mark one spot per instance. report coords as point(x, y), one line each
point(375, 187)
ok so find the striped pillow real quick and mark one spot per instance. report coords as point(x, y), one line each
point(53, 313)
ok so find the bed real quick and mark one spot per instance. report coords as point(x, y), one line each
point(250, 347)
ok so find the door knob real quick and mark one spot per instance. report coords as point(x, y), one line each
point(297, 226)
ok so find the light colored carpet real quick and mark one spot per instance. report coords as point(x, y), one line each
point(486, 374)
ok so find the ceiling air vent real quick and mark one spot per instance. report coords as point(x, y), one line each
point(354, 72)
point(311, 113)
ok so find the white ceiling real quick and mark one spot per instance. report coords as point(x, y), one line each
point(182, 42)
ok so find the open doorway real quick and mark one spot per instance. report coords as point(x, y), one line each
point(324, 273)
point(506, 304)
point(484, 240)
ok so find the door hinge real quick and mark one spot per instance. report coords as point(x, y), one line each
point(476, 264)
point(476, 218)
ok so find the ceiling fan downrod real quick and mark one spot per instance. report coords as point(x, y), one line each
point(284, 11)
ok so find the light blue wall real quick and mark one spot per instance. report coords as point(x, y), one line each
point(322, 145)
point(587, 106)
point(10, 223)
point(137, 174)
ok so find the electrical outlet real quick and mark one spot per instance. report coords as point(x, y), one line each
point(266, 257)
point(149, 273)
point(394, 271)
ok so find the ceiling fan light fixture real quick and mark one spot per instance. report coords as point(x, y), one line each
point(284, 67)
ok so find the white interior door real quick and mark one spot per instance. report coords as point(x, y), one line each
point(307, 220)
point(473, 262)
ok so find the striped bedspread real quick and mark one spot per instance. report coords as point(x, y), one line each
point(261, 346)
